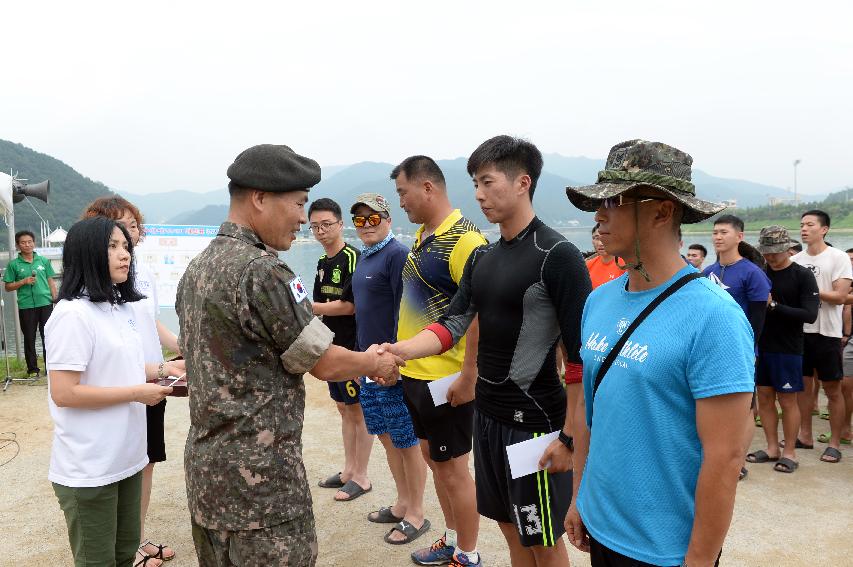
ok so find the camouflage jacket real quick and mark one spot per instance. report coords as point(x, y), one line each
point(248, 334)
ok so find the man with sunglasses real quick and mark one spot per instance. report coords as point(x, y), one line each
point(334, 302)
point(656, 463)
point(377, 286)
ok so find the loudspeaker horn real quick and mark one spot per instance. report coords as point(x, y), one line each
point(38, 190)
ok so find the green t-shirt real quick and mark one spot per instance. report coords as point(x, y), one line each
point(37, 294)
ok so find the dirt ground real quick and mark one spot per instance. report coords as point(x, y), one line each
point(780, 520)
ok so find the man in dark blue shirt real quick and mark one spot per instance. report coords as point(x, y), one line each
point(377, 285)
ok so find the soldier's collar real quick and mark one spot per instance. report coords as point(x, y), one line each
point(241, 232)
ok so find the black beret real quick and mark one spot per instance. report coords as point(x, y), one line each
point(269, 167)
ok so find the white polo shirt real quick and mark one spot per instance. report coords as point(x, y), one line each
point(147, 311)
point(96, 447)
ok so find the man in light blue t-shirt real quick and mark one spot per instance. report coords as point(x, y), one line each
point(660, 466)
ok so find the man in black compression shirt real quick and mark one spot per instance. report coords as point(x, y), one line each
point(794, 300)
point(528, 289)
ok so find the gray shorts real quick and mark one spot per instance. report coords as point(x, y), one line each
point(847, 359)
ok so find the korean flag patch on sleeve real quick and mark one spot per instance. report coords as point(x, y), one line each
point(297, 288)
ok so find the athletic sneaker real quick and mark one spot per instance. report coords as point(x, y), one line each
point(439, 553)
point(461, 560)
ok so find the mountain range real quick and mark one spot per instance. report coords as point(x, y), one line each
point(71, 191)
point(343, 183)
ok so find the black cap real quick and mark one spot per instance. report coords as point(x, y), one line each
point(274, 168)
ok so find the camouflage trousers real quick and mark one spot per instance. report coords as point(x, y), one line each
point(290, 544)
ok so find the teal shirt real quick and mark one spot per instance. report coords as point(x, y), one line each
point(37, 294)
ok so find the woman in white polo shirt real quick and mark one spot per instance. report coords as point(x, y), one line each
point(155, 336)
point(98, 385)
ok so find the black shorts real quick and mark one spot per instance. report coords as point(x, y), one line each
point(536, 503)
point(602, 556)
point(822, 354)
point(155, 416)
point(344, 392)
point(448, 429)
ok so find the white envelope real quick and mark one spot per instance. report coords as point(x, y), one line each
point(438, 388)
point(524, 457)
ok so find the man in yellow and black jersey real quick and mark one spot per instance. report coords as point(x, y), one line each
point(333, 300)
point(431, 275)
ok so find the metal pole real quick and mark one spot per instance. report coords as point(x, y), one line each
point(10, 223)
point(796, 200)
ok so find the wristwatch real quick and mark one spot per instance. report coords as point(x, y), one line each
point(567, 440)
point(772, 305)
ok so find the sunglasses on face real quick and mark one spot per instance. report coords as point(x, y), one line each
point(619, 200)
point(373, 220)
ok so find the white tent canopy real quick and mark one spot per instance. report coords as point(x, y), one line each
point(57, 236)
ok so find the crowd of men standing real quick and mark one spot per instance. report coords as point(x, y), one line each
point(541, 341)
point(497, 314)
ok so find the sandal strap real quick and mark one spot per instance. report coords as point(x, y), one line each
point(159, 555)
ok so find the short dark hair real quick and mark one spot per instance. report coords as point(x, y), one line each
point(86, 265)
point(736, 222)
point(22, 233)
point(821, 216)
point(420, 167)
point(700, 248)
point(325, 204)
point(597, 225)
point(796, 246)
point(510, 156)
point(235, 190)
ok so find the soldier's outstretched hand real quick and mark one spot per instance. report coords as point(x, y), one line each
point(388, 368)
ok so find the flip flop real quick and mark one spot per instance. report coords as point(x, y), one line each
point(786, 465)
point(353, 490)
point(825, 437)
point(383, 516)
point(824, 415)
point(334, 481)
point(833, 453)
point(743, 474)
point(757, 421)
point(760, 457)
point(407, 529)
point(798, 445)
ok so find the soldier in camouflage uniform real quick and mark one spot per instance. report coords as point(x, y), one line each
point(249, 334)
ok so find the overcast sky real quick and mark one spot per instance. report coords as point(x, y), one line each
point(156, 96)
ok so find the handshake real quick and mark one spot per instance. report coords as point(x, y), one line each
point(387, 364)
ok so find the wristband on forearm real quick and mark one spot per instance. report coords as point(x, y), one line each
point(567, 440)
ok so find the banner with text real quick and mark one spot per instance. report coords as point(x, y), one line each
point(167, 250)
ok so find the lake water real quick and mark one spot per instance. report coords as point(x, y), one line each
point(303, 255)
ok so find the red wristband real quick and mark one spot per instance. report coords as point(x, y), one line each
point(574, 373)
point(443, 335)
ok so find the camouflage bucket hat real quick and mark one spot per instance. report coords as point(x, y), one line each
point(638, 163)
point(773, 240)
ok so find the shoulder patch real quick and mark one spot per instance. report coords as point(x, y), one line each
point(297, 289)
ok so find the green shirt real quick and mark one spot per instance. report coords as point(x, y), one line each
point(37, 294)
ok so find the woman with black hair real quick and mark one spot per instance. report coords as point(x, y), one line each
point(98, 383)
